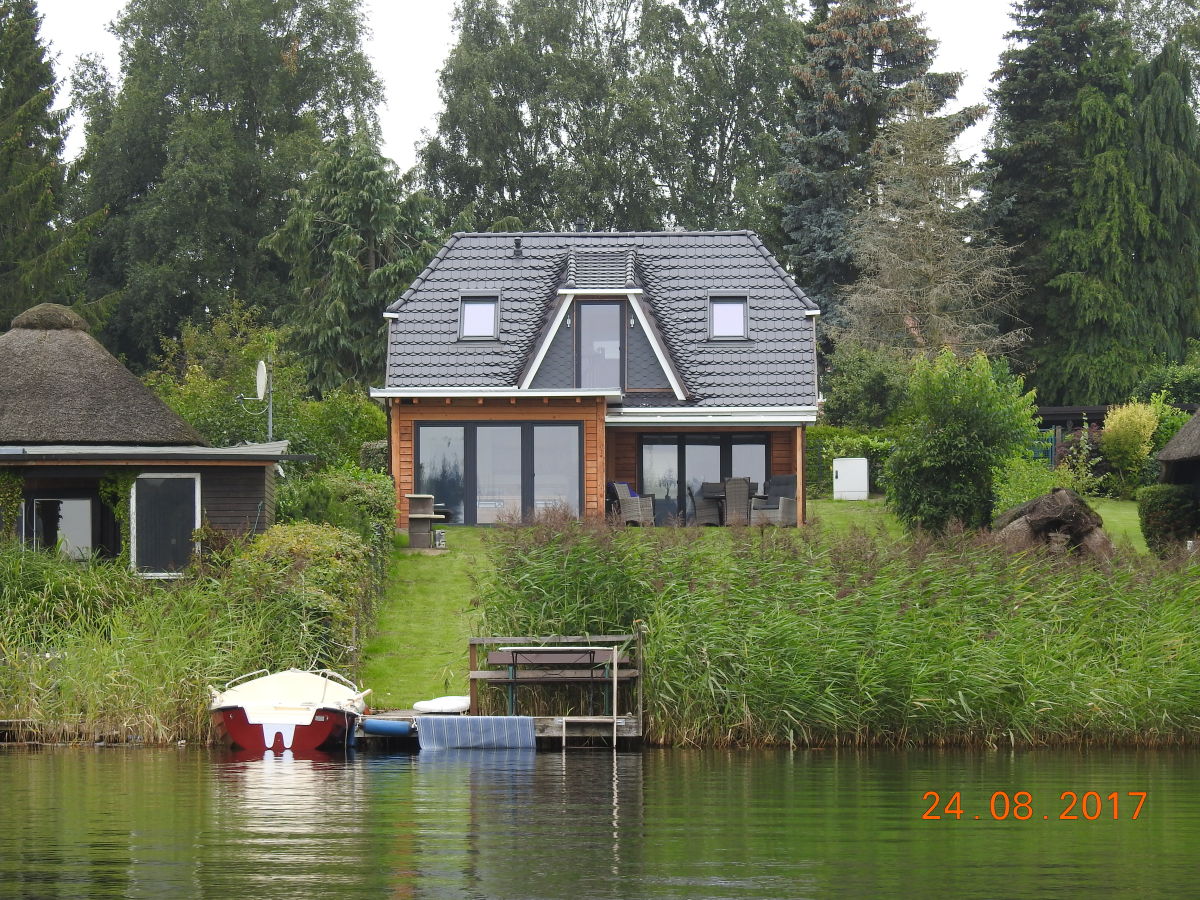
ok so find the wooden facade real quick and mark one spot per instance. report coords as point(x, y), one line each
point(405, 414)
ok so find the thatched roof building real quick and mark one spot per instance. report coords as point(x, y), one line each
point(1181, 456)
point(58, 385)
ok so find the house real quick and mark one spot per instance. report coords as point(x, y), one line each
point(78, 430)
point(526, 371)
point(1180, 456)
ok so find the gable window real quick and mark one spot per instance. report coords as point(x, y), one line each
point(478, 318)
point(727, 318)
point(601, 330)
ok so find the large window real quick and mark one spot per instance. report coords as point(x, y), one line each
point(600, 331)
point(673, 463)
point(483, 472)
point(166, 512)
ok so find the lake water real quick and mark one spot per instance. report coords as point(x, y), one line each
point(108, 822)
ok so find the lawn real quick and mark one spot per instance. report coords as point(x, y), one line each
point(419, 648)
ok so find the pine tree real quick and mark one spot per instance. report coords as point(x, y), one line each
point(931, 278)
point(863, 55)
point(1037, 146)
point(354, 240)
point(37, 250)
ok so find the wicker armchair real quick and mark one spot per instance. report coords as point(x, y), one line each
point(737, 501)
point(778, 507)
point(633, 510)
point(705, 509)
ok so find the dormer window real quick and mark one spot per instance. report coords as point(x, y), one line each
point(727, 318)
point(479, 318)
point(601, 328)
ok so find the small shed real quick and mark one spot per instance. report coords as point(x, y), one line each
point(1180, 457)
point(105, 466)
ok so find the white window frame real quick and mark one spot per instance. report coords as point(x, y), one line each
point(744, 300)
point(463, 300)
point(133, 564)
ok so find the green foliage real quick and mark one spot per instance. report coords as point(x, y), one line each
point(93, 649)
point(1126, 443)
point(1180, 381)
point(200, 375)
point(116, 492)
point(862, 56)
point(823, 444)
point(374, 456)
point(1169, 515)
point(38, 247)
point(863, 388)
point(348, 497)
point(353, 241)
point(11, 498)
point(1169, 418)
point(779, 636)
point(631, 115)
point(1020, 478)
point(219, 109)
point(965, 418)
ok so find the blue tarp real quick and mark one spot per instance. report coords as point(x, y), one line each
point(475, 732)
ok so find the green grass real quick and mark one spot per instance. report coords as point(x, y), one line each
point(1121, 521)
point(419, 647)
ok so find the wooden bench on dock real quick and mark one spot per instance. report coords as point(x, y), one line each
point(605, 662)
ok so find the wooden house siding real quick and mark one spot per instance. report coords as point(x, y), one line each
point(587, 411)
point(238, 499)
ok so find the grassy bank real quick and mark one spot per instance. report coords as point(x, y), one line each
point(90, 651)
point(772, 636)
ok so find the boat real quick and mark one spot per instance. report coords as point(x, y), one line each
point(294, 710)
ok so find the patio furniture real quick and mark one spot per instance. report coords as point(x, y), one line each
point(632, 509)
point(778, 505)
point(706, 507)
point(737, 501)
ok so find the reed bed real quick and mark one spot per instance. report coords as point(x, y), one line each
point(794, 636)
point(90, 652)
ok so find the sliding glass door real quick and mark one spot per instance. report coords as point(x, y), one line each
point(482, 473)
point(671, 464)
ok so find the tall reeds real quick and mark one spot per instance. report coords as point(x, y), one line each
point(91, 651)
point(767, 636)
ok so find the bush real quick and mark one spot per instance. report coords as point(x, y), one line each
point(1126, 443)
point(1020, 478)
point(348, 497)
point(373, 456)
point(965, 418)
point(823, 444)
point(1169, 515)
point(863, 388)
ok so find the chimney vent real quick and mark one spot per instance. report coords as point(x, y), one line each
point(581, 224)
point(517, 247)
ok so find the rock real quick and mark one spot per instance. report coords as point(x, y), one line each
point(1097, 543)
point(1017, 536)
point(1061, 520)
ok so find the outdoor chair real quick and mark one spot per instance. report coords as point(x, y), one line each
point(706, 509)
point(737, 501)
point(778, 507)
point(632, 509)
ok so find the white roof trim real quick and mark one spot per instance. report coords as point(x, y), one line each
point(713, 415)
point(452, 392)
point(600, 292)
point(564, 305)
point(660, 352)
point(121, 451)
point(810, 312)
point(391, 315)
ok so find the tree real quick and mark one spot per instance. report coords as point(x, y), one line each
point(930, 275)
point(354, 241)
point(37, 247)
point(863, 55)
point(863, 388)
point(965, 417)
point(220, 107)
point(1037, 151)
point(630, 114)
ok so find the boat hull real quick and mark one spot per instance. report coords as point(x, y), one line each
point(330, 729)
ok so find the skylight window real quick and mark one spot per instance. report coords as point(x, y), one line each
point(478, 318)
point(727, 318)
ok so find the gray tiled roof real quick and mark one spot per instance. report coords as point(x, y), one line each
point(676, 270)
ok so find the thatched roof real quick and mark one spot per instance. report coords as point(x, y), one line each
point(58, 385)
point(1185, 444)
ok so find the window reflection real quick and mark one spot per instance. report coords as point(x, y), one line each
point(441, 467)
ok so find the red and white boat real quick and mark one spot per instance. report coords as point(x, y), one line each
point(292, 710)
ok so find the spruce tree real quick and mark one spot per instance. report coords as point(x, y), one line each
point(1037, 155)
point(863, 55)
point(36, 249)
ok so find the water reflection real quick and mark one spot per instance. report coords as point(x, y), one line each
point(501, 824)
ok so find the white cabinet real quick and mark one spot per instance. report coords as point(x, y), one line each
point(851, 478)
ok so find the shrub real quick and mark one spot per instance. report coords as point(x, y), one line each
point(823, 444)
point(1079, 462)
point(863, 388)
point(965, 418)
point(1020, 478)
point(1126, 443)
point(373, 456)
point(1169, 515)
point(348, 497)
point(1170, 420)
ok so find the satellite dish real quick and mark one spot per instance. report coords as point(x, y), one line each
point(260, 382)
